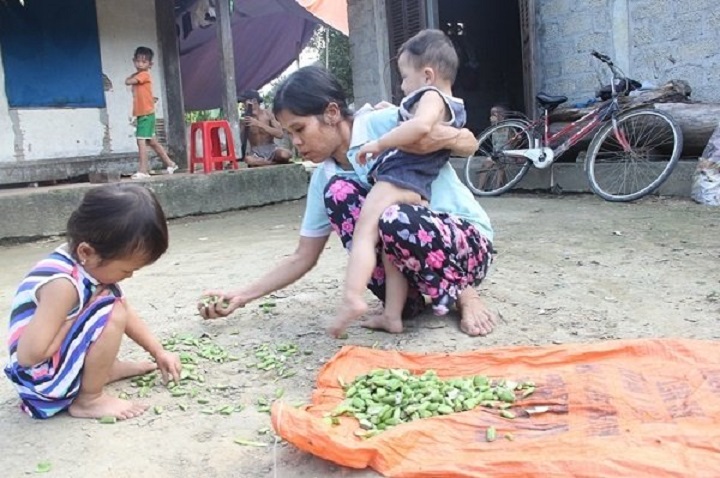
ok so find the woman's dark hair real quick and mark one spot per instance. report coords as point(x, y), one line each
point(119, 220)
point(308, 91)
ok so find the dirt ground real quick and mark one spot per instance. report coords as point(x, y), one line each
point(570, 269)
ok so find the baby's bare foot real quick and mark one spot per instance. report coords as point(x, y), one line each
point(475, 318)
point(349, 311)
point(98, 406)
point(122, 369)
point(383, 322)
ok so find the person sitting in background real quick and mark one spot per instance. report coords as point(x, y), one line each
point(260, 129)
point(491, 174)
point(498, 113)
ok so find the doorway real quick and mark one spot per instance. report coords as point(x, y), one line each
point(487, 37)
point(495, 44)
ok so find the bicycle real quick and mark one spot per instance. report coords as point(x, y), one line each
point(628, 149)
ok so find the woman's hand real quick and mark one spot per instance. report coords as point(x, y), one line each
point(461, 142)
point(214, 303)
point(169, 366)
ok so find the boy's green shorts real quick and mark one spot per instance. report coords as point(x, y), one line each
point(145, 127)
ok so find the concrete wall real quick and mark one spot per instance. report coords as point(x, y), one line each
point(369, 50)
point(572, 178)
point(651, 40)
point(34, 134)
point(38, 212)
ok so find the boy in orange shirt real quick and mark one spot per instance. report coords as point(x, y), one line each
point(144, 111)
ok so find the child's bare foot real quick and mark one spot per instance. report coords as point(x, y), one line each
point(98, 406)
point(475, 318)
point(384, 322)
point(350, 310)
point(122, 369)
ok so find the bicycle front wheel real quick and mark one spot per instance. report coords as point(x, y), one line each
point(633, 159)
point(491, 172)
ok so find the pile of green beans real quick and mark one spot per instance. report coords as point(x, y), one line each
point(385, 398)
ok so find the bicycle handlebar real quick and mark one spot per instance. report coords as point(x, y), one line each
point(617, 73)
point(602, 58)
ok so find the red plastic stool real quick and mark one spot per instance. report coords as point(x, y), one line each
point(212, 155)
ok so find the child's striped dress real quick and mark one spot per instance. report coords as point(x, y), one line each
point(50, 386)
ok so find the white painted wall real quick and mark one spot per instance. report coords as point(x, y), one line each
point(72, 132)
point(123, 26)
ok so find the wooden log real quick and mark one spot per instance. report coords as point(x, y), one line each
point(674, 91)
point(696, 120)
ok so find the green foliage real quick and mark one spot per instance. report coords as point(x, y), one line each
point(333, 48)
point(269, 95)
point(201, 115)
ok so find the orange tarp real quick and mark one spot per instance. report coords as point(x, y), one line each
point(332, 12)
point(618, 408)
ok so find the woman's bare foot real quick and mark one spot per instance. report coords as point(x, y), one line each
point(98, 406)
point(383, 322)
point(351, 309)
point(475, 318)
point(121, 369)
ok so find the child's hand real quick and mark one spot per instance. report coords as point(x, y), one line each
point(169, 366)
point(368, 151)
point(130, 80)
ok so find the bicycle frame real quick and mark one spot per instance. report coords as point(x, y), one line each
point(593, 120)
point(546, 149)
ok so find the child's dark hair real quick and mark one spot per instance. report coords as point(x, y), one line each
point(501, 108)
point(432, 48)
point(308, 91)
point(143, 51)
point(119, 220)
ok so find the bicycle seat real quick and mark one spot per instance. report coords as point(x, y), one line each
point(548, 101)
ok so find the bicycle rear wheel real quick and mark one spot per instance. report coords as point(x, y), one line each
point(490, 172)
point(629, 162)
